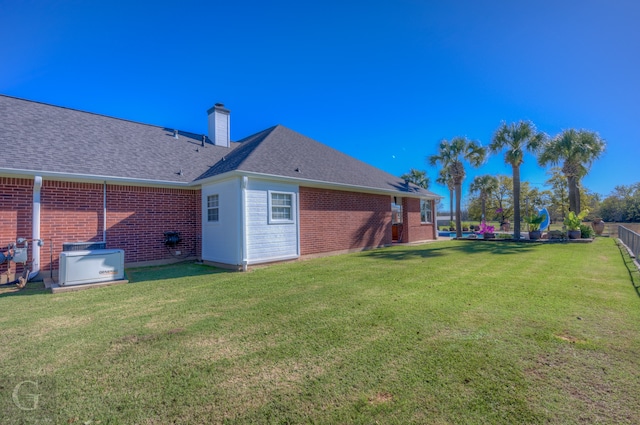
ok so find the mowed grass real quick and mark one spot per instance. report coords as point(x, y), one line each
point(452, 332)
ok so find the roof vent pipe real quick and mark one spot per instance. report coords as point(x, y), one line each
point(219, 130)
point(204, 138)
point(175, 134)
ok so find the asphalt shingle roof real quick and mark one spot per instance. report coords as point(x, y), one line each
point(44, 138)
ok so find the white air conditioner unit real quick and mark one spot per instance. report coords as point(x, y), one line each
point(99, 265)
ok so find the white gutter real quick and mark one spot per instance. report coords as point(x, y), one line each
point(35, 232)
point(321, 184)
point(96, 178)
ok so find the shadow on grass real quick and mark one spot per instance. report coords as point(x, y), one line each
point(631, 265)
point(32, 288)
point(432, 250)
point(171, 271)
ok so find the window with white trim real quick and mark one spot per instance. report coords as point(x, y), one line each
point(281, 207)
point(213, 208)
point(426, 216)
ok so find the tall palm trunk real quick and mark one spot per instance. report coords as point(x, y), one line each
point(516, 202)
point(572, 171)
point(458, 215)
point(451, 187)
point(450, 206)
point(483, 197)
point(571, 183)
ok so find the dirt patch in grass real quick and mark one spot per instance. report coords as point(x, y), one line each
point(582, 382)
point(381, 398)
point(569, 338)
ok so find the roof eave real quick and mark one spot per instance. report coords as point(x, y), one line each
point(319, 184)
point(77, 177)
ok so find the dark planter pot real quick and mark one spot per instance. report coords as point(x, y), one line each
point(574, 234)
point(535, 235)
point(489, 236)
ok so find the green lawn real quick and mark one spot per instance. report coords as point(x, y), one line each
point(449, 332)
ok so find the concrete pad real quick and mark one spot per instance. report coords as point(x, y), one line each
point(53, 286)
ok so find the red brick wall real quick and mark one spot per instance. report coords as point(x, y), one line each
point(332, 220)
point(137, 217)
point(412, 229)
point(16, 199)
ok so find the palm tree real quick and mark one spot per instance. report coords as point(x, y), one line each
point(516, 138)
point(485, 185)
point(417, 177)
point(451, 156)
point(577, 149)
point(445, 179)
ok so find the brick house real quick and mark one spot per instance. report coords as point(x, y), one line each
point(68, 176)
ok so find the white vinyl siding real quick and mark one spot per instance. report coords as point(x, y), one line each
point(271, 238)
point(221, 240)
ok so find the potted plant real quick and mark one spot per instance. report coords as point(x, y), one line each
point(452, 226)
point(534, 222)
point(487, 231)
point(573, 222)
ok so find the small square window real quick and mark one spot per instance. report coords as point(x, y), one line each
point(281, 207)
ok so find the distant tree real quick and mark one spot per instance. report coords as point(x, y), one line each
point(516, 139)
point(622, 205)
point(451, 155)
point(484, 186)
point(502, 199)
point(445, 179)
point(417, 177)
point(559, 194)
point(577, 150)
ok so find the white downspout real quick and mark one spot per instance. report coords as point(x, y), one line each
point(35, 232)
point(243, 222)
point(435, 219)
point(104, 213)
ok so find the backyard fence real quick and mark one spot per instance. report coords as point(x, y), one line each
point(631, 239)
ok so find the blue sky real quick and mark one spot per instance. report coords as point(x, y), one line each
point(381, 81)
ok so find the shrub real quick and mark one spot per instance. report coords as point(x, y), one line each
point(586, 232)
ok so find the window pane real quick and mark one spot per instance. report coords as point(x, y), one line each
point(425, 211)
point(212, 208)
point(281, 213)
point(281, 206)
point(278, 199)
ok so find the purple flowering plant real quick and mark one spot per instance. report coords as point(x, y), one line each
point(484, 228)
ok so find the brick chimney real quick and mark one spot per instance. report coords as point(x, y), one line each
point(219, 131)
